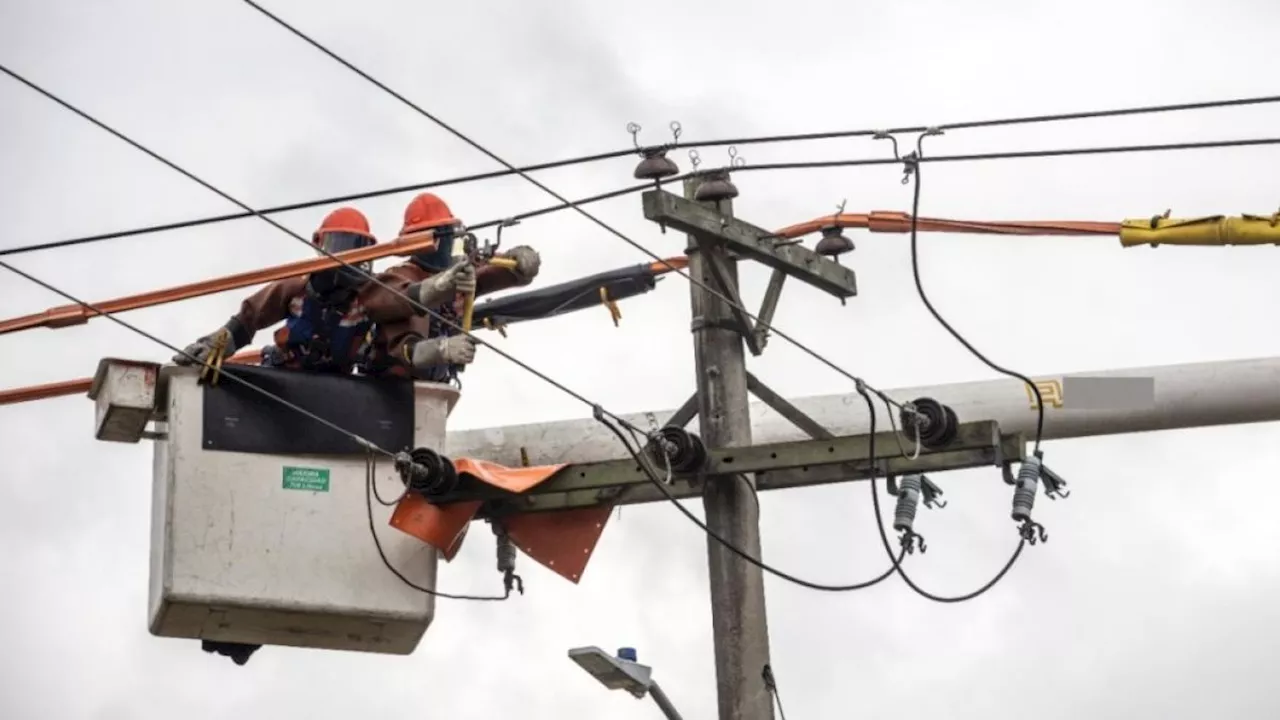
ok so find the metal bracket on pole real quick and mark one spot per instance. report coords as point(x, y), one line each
point(750, 242)
point(776, 466)
point(728, 288)
point(783, 407)
point(685, 414)
point(772, 294)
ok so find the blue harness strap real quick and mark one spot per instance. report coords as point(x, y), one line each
point(320, 335)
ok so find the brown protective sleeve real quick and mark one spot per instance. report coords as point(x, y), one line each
point(270, 305)
point(385, 306)
point(405, 334)
point(491, 279)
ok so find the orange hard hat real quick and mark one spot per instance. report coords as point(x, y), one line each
point(426, 211)
point(344, 220)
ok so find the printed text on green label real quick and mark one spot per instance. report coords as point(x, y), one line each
point(301, 478)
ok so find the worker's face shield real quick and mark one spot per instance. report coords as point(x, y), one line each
point(336, 242)
point(348, 276)
point(441, 256)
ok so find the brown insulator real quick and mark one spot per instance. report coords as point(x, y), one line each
point(716, 187)
point(655, 165)
point(834, 242)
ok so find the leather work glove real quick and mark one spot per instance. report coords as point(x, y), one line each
point(460, 279)
point(528, 262)
point(202, 350)
point(453, 350)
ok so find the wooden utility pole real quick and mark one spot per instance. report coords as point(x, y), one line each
point(739, 622)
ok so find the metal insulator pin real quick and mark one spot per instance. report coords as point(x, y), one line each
point(1024, 493)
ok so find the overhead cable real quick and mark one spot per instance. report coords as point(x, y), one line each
point(1020, 154)
point(911, 169)
point(995, 122)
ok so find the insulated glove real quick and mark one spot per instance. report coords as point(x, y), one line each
point(442, 287)
point(201, 351)
point(453, 350)
point(528, 262)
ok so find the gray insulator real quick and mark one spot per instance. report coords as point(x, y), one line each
point(506, 554)
point(904, 514)
point(1024, 493)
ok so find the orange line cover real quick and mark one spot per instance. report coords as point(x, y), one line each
point(560, 540)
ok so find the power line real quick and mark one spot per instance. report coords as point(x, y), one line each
point(912, 167)
point(1019, 154)
point(613, 154)
point(277, 209)
point(994, 122)
point(602, 224)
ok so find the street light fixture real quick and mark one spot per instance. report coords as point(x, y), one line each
point(622, 672)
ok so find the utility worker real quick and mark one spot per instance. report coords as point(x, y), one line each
point(325, 322)
point(410, 342)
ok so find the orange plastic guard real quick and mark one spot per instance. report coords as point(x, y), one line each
point(560, 540)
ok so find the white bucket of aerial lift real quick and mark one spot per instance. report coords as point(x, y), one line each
point(269, 549)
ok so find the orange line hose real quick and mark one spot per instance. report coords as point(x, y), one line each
point(888, 221)
point(65, 315)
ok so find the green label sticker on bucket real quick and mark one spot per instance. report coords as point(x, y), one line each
point(301, 478)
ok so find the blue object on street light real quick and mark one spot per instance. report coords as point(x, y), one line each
point(622, 672)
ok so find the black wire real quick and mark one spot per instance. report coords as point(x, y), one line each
point(597, 157)
point(602, 224)
point(1017, 154)
point(897, 565)
point(997, 122)
point(914, 169)
point(771, 684)
point(638, 455)
point(240, 381)
point(369, 492)
point(276, 209)
point(372, 469)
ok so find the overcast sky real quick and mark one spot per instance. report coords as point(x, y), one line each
point(1153, 599)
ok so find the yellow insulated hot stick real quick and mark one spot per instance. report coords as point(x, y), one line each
point(469, 305)
point(1211, 230)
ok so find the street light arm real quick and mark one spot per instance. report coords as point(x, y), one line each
point(663, 702)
